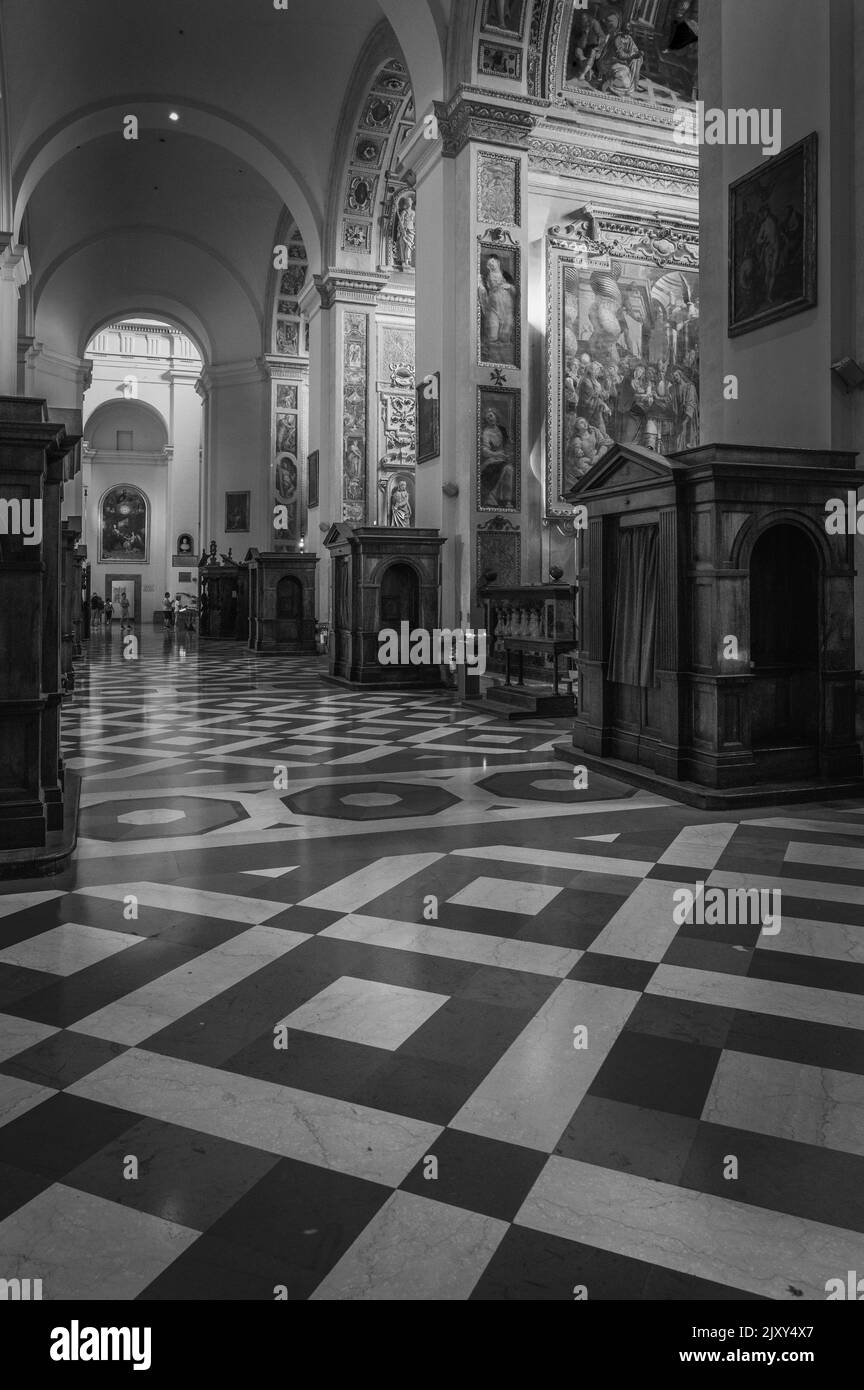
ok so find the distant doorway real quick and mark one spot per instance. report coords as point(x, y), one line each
point(130, 584)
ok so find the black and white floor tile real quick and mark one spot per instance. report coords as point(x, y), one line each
point(413, 1019)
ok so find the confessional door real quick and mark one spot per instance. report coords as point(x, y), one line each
point(784, 651)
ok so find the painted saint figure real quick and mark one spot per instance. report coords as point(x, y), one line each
point(620, 60)
point(686, 406)
point(496, 466)
point(497, 312)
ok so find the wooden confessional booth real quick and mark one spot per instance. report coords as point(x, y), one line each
point(382, 577)
point(282, 601)
point(717, 623)
point(224, 597)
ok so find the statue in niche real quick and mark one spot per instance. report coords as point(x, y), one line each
point(401, 511)
point(405, 230)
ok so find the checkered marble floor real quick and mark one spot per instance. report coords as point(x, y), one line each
point(418, 1022)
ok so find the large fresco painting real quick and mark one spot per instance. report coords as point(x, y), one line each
point(124, 530)
point(637, 49)
point(624, 364)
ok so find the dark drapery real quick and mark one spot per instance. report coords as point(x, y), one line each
point(634, 623)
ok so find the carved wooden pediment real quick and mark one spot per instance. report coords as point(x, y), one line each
point(340, 533)
point(624, 465)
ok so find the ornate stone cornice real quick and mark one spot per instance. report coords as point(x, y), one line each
point(632, 170)
point(339, 286)
point(399, 304)
point(599, 232)
point(475, 115)
point(295, 369)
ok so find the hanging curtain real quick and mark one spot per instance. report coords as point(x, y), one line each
point(634, 623)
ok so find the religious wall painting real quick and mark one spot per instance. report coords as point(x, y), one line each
point(429, 417)
point(286, 396)
point(501, 61)
point(773, 250)
point(623, 359)
point(645, 50)
point(354, 417)
point(124, 526)
point(499, 449)
point(286, 490)
point(504, 17)
point(286, 433)
point(237, 511)
point(499, 299)
point(498, 190)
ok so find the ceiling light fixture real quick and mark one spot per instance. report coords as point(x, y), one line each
point(173, 116)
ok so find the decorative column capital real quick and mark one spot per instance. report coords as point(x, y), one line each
point(338, 286)
point(246, 373)
point(473, 115)
point(14, 261)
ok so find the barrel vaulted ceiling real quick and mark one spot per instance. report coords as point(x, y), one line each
point(183, 219)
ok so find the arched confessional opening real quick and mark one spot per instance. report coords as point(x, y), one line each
point(400, 597)
point(784, 642)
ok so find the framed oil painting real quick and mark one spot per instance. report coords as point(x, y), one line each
point(124, 526)
point(772, 239)
point(313, 477)
point(504, 17)
point(429, 418)
point(286, 490)
point(623, 360)
point(499, 294)
point(237, 511)
point(499, 449)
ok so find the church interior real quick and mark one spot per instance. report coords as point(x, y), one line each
point(519, 964)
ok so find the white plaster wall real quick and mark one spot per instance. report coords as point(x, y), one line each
point(788, 56)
